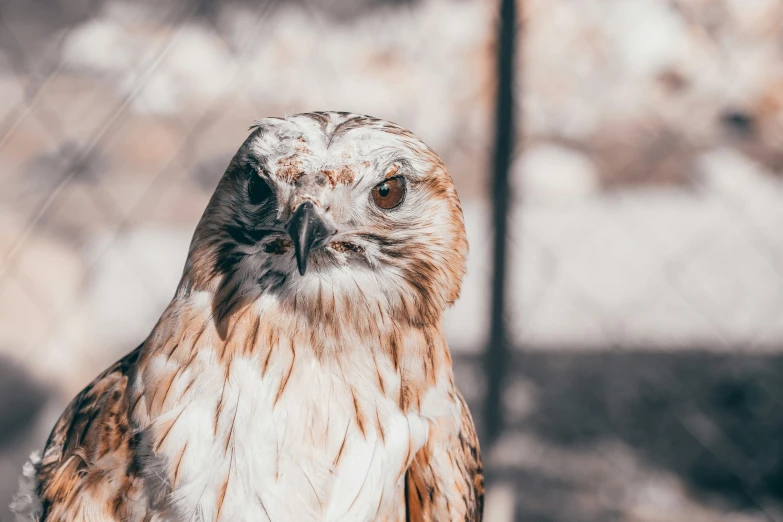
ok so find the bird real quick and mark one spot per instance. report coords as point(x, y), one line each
point(301, 371)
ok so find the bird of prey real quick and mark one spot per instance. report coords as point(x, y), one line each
point(300, 373)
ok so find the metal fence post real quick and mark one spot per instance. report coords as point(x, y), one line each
point(497, 351)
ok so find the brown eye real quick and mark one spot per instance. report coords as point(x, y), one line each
point(389, 193)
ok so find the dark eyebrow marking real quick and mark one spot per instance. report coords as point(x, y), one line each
point(320, 118)
point(349, 124)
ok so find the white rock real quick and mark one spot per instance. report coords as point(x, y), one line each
point(551, 174)
point(98, 44)
point(660, 268)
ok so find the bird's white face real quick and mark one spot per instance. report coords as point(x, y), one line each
point(330, 211)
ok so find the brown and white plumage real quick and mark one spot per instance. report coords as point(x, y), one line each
point(301, 371)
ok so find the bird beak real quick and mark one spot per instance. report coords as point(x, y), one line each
point(308, 230)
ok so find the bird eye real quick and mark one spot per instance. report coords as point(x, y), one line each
point(258, 190)
point(389, 193)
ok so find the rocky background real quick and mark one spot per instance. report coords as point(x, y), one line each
point(646, 233)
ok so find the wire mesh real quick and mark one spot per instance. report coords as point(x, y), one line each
point(645, 253)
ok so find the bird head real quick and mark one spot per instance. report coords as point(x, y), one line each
point(332, 212)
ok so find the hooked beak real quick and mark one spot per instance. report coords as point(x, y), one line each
point(308, 230)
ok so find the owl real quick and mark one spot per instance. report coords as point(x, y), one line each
point(300, 371)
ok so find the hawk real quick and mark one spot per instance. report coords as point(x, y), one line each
point(301, 371)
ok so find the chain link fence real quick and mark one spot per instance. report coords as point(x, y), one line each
point(644, 281)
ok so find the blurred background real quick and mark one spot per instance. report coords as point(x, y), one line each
point(626, 367)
